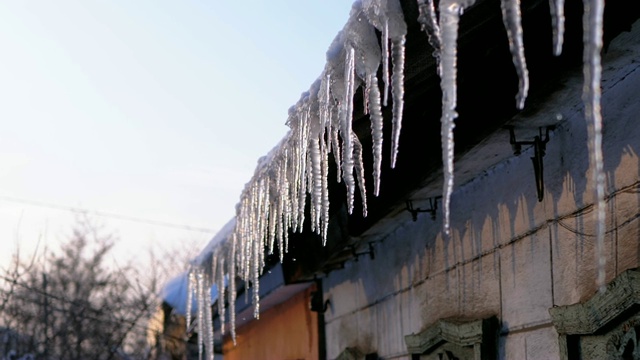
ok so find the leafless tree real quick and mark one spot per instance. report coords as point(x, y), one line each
point(72, 305)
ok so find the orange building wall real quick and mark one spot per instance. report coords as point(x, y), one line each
point(288, 331)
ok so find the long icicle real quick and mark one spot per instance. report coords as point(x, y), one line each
point(221, 295)
point(557, 25)
point(208, 329)
point(385, 61)
point(359, 166)
point(316, 176)
point(191, 285)
point(397, 89)
point(201, 305)
point(325, 191)
point(375, 114)
point(512, 18)
point(347, 118)
point(449, 20)
point(592, 28)
point(232, 287)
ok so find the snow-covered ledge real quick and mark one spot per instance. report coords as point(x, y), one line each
point(465, 339)
point(606, 326)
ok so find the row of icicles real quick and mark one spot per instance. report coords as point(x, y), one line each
point(273, 202)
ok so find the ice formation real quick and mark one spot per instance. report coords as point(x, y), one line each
point(557, 24)
point(592, 37)
point(274, 201)
point(449, 19)
point(429, 24)
point(512, 19)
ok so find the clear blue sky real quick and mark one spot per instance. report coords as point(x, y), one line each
point(150, 109)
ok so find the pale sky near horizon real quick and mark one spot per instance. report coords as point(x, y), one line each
point(156, 110)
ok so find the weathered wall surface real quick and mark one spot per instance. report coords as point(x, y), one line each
point(509, 255)
point(287, 331)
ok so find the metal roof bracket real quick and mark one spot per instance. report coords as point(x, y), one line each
point(539, 149)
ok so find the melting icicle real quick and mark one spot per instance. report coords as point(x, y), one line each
point(255, 278)
point(385, 60)
point(387, 17)
point(592, 29)
point(325, 193)
point(208, 346)
point(449, 19)
point(557, 24)
point(397, 80)
point(357, 152)
point(429, 25)
point(201, 305)
point(232, 287)
point(191, 286)
point(302, 161)
point(216, 267)
point(316, 171)
point(221, 294)
point(347, 118)
point(335, 147)
point(376, 130)
point(512, 19)
point(361, 36)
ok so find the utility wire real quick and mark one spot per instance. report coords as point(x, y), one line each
point(105, 214)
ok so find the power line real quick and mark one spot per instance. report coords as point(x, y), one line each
point(105, 214)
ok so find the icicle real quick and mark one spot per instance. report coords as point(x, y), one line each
point(335, 148)
point(347, 114)
point(191, 286)
point(255, 278)
point(287, 209)
point(592, 37)
point(273, 216)
point(449, 19)
point(232, 287)
point(302, 196)
point(209, 343)
point(286, 205)
point(376, 130)
point(325, 192)
point(357, 152)
point(387, 16)
point(316, 171)
point(208, 316)
point(361, 37)
point(397, 88)
point(314, 216)
point(512, 19)
point(282, 206)
point(221, 294)
point(264, 216)
point(297, 172)
point(385, 60)
point(324, 98)
point(246, 233)
point(365, 98)
point(201, 305)
point(557, 24)
point(429, 25)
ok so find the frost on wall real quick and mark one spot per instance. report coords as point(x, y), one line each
point(273, 202)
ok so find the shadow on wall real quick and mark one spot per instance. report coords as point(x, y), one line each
point(504, 243)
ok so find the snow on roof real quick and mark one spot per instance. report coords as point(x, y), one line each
point(175, 294)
